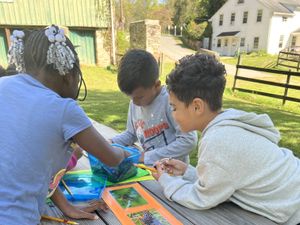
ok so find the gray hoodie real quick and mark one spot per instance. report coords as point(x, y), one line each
point(239, 160)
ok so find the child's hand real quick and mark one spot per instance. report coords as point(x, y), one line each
point(78, 151)
point(173, 166)
point(85, 212)
point(142, 157)
point(160, 170)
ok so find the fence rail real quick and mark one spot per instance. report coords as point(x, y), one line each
point(285, 85)
point(286, 56)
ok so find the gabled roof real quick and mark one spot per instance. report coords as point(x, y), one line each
point(282, 6)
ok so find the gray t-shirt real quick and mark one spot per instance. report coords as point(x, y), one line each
point(36, 125)
point(155, 129)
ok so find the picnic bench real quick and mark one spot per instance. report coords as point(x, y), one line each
point(224, 214)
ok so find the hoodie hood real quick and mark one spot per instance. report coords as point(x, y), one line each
point(259, 124)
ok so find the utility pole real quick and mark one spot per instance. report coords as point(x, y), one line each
point(113, 42)
point(122, 18)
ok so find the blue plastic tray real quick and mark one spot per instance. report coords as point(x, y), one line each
point(83, 186)
point(116, 174)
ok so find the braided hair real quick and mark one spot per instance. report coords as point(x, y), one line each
point(36, 46)
point(48, 50)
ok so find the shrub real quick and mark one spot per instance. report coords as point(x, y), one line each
point(122, 42)
point(196, 31)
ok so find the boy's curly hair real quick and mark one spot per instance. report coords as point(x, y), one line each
point(201, 76)
point(138, 68)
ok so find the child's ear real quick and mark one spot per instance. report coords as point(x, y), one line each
point(157, 84)
point(198, 105)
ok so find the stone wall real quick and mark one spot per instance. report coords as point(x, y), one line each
point(103, 47)
point(145, 35)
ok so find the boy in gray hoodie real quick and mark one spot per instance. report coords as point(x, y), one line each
point(150, 120)
point(239, 158)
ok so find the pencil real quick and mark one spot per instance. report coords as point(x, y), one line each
point(142, 166)
point(58, 220)
point(66, 187)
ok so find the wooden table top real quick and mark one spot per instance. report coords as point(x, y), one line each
point(224, 214)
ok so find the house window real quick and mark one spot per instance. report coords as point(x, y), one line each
point(219, 43)
point(232, 18)
point(240, 1)
point(242, 44)
point(259, 15)
point(256, 42)
point(245, 17)
point(284, 19)
point(221, 20)
point(281, 41)
point(293, 44)
point(226, 43)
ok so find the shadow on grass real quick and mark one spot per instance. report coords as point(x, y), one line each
point(109, 108)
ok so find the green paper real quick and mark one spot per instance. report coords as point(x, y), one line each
point(141, 176)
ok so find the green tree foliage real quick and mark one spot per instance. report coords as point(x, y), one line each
point(184, 11)
point(207, 8)
point(134, 10)
point(196, 31)
point(193, 16)
point(122, 42)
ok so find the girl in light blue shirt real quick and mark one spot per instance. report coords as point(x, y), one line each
point(39, 118)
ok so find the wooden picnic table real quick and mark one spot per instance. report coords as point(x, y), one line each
point(223, 214)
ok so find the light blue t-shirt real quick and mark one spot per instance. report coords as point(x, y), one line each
point(36, 126)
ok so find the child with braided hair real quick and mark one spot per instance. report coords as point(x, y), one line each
point(40, 119)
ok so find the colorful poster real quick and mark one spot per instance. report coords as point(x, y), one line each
point(132, 205)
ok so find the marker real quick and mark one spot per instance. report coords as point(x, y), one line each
point(58, 220)
point(142, 166)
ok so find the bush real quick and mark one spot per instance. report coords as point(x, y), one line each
point(122, 42)
point(258, 53)
point(196, 31)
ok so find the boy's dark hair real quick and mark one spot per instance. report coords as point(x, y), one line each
point(201, 76)
point(138, 68)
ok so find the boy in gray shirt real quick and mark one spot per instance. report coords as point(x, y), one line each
point(150, 120)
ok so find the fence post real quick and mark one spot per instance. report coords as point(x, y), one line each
point(286, 87)
point(278, 58)
point(236, 72)
point(298, 66)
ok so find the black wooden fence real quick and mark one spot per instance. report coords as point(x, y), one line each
point(292, 57)
point(286, 86)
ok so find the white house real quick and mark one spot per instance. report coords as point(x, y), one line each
point(251, 25)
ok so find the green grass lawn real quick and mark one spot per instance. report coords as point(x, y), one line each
point(107, 105)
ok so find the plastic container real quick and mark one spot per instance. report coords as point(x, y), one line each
point(83, 186)
point(121, 172)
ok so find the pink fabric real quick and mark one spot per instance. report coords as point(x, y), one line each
point(72, 162)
